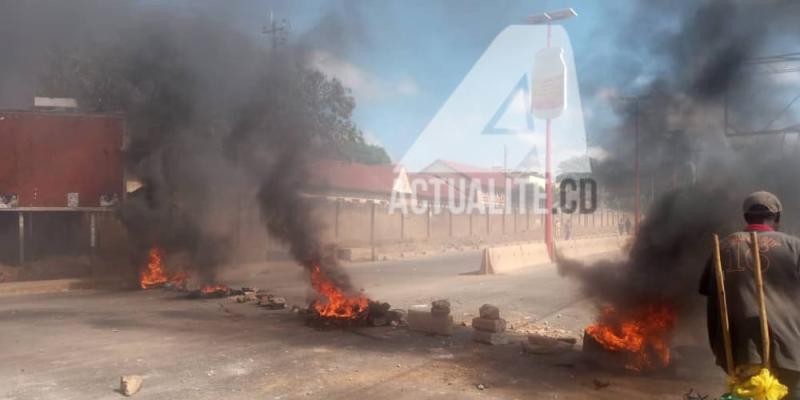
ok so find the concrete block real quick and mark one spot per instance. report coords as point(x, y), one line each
point(489, 325)
point(489, 338)
point(439, 312)
point(424, 321)
point(440, 304)
point(513, 257)
point(440, 308)
point(489, 311)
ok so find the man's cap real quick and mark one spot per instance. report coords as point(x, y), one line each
point(764, 199)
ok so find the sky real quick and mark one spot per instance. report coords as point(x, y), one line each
point(403, 59)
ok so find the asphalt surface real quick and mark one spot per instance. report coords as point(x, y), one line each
point(531, 295)
point(76, 345)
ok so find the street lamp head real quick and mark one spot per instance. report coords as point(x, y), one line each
point(552, 16)
point(539, 19)
point(565, 13)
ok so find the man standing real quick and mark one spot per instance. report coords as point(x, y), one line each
point(780, 263)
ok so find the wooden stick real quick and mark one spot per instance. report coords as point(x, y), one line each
point(762, 306)
point(723, 309)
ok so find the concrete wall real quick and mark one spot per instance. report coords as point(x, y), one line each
point(352, 225)
point(357, 228)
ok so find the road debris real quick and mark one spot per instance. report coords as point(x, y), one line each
point(493, 339)
point(598, 384)
point(440, 308)
point(428, 322)
point(247, 296)
point(129, 385)
point(397, 317)
point(378, 313)
point(489, 311)
point(489, 327)
point(271, 302)
point(544, 345)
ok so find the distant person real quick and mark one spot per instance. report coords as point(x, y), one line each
point(780, 263)
point(621, 226)
point(567, 229)
point(627, 226)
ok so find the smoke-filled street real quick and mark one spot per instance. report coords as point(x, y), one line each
point(338, 199)
point(210, 349)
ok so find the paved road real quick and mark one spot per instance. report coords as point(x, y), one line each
point(76, 345)
point(532, 295)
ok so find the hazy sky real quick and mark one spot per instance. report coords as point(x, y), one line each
point(402, 59)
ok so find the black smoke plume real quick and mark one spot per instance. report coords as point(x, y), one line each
point(276, 138)
point(699, 174)
point(217, 120)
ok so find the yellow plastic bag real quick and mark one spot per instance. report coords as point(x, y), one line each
point(762, 386)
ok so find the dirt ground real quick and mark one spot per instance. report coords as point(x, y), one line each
point(76, 345)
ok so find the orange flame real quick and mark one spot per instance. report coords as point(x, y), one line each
point(213, 289)
point(155, 275)
point(180, 278)
point(337, 304)
point(644, 333)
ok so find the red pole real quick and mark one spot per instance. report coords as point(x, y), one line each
point(548, 187)
point(637, 210)
point(548, 183)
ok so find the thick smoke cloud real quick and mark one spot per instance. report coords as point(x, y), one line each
point(216, 121)
point(700, 176)
point(276, 138)
point(31, 30)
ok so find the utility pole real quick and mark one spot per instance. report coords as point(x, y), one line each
point(278, 31)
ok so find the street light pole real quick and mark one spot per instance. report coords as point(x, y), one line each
point(549, 17)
